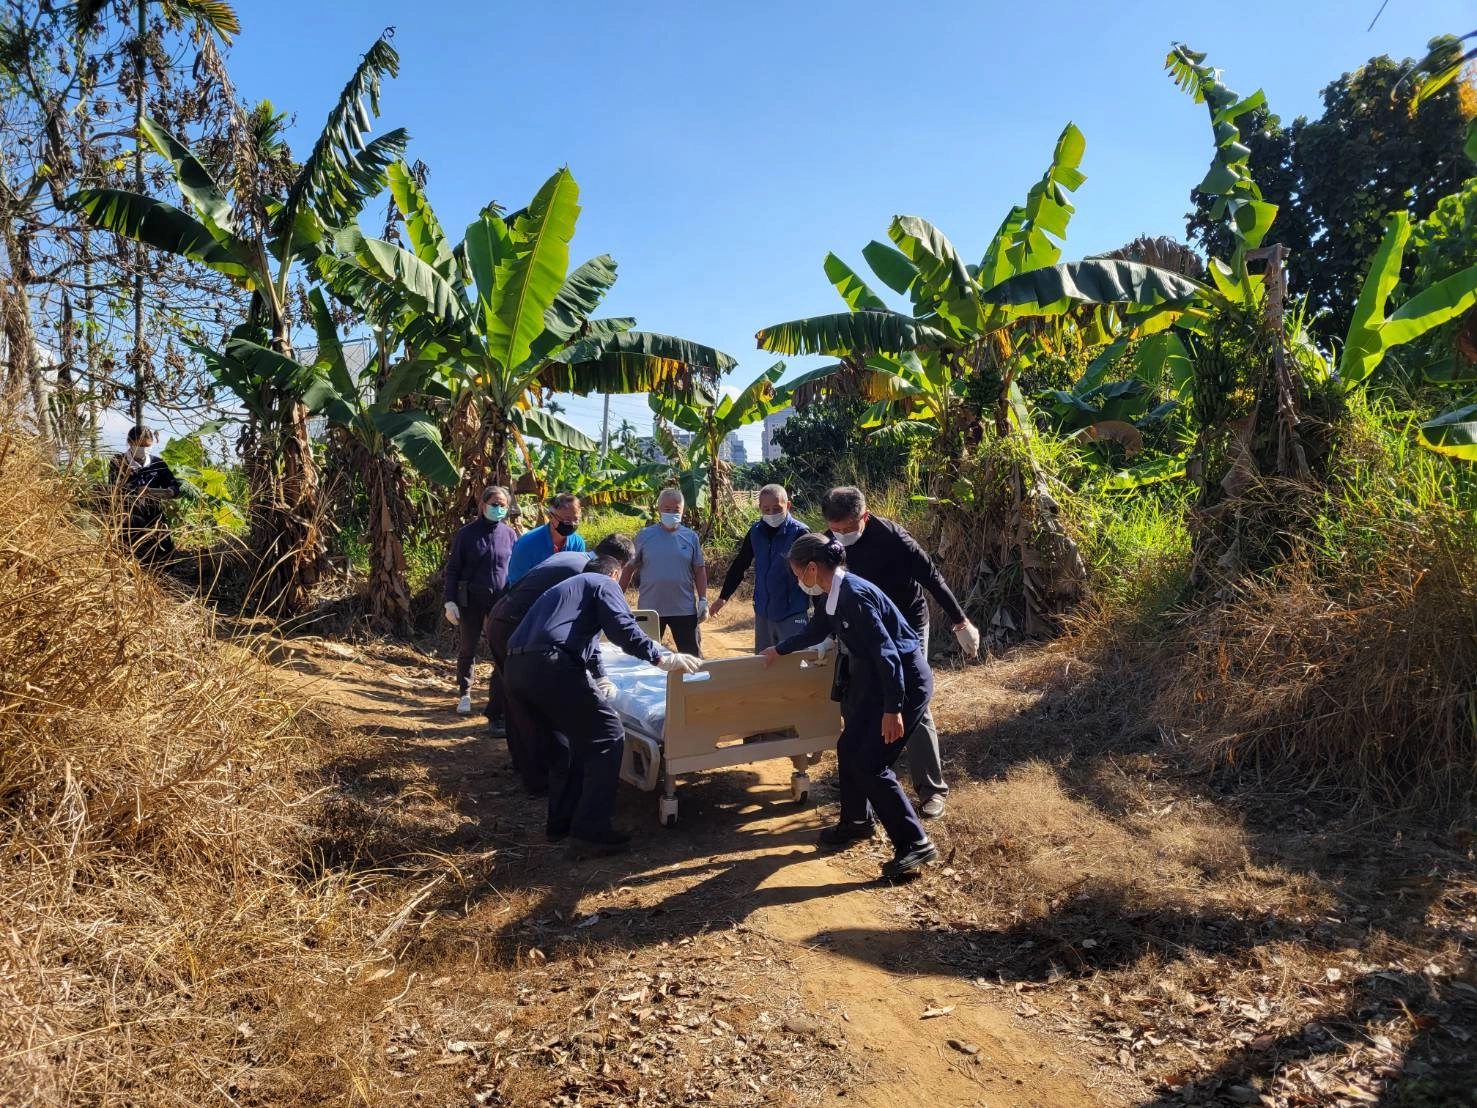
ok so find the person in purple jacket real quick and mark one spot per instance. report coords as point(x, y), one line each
point(476, 575)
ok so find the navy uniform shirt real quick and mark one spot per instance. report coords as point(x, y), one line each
point(570, 616)
point(891, 559)
point(521, 596)
point(874, 631)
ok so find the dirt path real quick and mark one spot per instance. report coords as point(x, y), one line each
point(743, 858)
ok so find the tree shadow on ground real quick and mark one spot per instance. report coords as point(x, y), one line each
point(1397, 886)
point(381, 818)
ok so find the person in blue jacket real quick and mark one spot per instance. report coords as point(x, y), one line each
point(476, 574)
point(560, 535)
point(885, 697)
point(549, 659)
point(780, 607)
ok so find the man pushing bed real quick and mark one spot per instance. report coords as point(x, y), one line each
point(548, 674)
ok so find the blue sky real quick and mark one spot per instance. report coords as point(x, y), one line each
point(721, 150)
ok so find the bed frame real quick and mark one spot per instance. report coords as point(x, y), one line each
point(732, 712)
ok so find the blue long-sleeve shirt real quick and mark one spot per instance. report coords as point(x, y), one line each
point(570, 616)
point(538, 544)
point(874, 631)
point(480, 555)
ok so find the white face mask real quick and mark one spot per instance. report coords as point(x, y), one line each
point(774, 519)
point(140, 451)
point(671, 520)
point(849, 537)
point(811, 590)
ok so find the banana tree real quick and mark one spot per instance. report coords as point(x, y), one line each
point(508, 322)
point(710, 422)
point(953, 360)
point(260, 243)
point(610, 480)
point(1247, 390)
point(370, 409)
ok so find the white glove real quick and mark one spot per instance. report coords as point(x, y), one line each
point(679, 663)
point(702, 610)
point(969, 638)
point(605, 687)
point(823, 651)
point(453, 613)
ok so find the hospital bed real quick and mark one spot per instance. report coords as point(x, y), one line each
point(732, 712)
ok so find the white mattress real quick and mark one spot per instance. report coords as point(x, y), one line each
point(640, 689)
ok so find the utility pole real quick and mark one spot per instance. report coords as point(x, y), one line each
point(605, 428)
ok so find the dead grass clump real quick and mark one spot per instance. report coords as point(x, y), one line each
point(1368, 684)
point(152, 783)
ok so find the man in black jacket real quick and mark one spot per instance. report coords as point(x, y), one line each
point(886, 555)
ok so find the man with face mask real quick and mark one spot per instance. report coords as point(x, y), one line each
point(886, 555)
point(476, 575)
point(558, 536)
point(780, 608)
point(674, 577)
point(143, 483)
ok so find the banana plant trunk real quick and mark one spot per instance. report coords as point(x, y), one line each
point(388, 588)
point(480, 437)
point(286, 535)
point(715, 489)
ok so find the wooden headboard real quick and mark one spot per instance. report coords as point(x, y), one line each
point(732, 697)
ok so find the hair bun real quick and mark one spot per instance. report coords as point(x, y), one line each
point(835, 547)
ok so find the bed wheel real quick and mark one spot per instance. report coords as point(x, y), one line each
point(799, 788)
point(667, 811)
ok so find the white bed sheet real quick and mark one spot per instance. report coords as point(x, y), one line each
point(640, 689)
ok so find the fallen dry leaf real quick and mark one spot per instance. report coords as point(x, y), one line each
point(935, 1013)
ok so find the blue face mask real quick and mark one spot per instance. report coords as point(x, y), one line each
point(495, 513)
point(671, 520)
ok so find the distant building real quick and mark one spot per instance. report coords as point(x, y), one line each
point(771, 450)
point(733, 450)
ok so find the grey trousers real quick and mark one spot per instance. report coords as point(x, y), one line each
point(922, 752)
point(771, 632)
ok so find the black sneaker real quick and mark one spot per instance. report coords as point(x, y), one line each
point(599, 843)
point(497, 728)
point(907, 863)
point(842, 835)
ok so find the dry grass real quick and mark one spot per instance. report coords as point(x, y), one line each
point(158, 942)
point(1221, 942)
point(1372, 688)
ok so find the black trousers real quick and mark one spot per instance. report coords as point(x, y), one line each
point(527, 744)
point(471, 632)
point(864, 761)
point(684, 633)
point(586, 739)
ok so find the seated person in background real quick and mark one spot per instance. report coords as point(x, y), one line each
point(549, 677)
point(554, 537)
point(886, 555)
point(525, 743)
point(780, 608)
point(885, 697)
point(143, 485)
point(674, 577)
point(476, 574)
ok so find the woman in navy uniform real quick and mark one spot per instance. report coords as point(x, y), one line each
point(884, 700)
